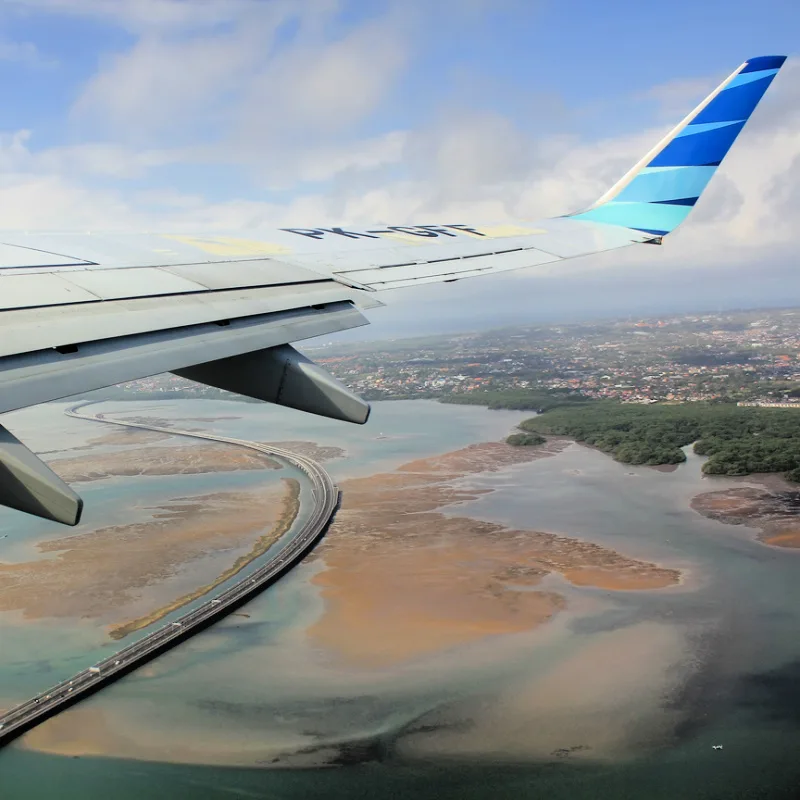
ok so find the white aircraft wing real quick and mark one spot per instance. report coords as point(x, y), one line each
point(80, 311)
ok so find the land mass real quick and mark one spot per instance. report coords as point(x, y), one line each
point(403, 579)
point(737, 440)
point(122, 574)
point(130, 575)
point(192, 459)
point(316, 452)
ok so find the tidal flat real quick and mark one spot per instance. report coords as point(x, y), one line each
point(480, 621)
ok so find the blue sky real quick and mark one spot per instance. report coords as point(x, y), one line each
point(237, 114)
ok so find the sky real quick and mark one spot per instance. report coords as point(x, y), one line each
point(241, 115)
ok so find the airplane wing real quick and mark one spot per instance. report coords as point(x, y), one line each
point(81, 311)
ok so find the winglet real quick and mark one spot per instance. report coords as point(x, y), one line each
point(657, 194)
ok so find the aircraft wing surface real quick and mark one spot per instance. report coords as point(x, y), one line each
point(80, 311)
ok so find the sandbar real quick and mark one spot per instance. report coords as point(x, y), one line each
point(403, 580)
point(775, 513)
point(191, 459)
point(109, 573)
point(317, 452)
point(289, 511)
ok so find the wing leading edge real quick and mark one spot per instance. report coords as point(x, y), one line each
point(83, 311)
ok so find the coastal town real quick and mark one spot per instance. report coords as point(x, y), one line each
point(750, 357)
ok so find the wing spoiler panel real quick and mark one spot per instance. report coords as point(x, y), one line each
point(45, 375)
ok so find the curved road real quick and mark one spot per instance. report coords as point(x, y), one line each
point(50, 702)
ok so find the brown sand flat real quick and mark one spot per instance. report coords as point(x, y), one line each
point(663, 467)
point(158, 422)
point(592, 704)
point(782, 535)
point(127, 436)
point(484, 457)
point(318, 452)
point(102, 573)
point(179, 460)
point(615, 580)
point(403, 580)
point(115, 436)
point(121, 730)
point(397, 602)
point(289, 510)
point(775, 512)
point(81, 731)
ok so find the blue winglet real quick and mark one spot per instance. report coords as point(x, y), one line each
point(660, 191)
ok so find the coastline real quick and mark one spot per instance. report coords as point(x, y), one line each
point(772, 511)
point(405, 592)
point(767, 510)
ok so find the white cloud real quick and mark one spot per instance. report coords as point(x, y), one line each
point(324, 163)
point(51, 202)
point(149, 15)
point(81, 161)
point(677, 98)
point(23, 53)
point(14, 153)
point(160, 86)
point(251, 86)
point(321, 88)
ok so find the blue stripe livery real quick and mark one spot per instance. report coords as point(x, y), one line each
point(656, 185)
point(735, 102)
point(762, 63)
point(698, 149)
point(660, 194)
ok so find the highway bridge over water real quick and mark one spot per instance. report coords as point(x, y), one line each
point(280, 560)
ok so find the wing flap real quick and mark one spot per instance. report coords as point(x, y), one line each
point(115, 284)
point(28, 330)
point(65, 287)
point(245, 273)
point(45, 375)
point(449, 268)
point(26, 291)
point(561, 239)
point(24, 257)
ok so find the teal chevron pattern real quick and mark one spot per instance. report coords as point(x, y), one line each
point(660, 196)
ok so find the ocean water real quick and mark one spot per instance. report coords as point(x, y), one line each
point(648, 680)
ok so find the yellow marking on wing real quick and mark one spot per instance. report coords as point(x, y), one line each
point(501, 231)
point(229, 246)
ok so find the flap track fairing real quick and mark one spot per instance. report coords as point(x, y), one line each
point(28, 484)
point(285, 377)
